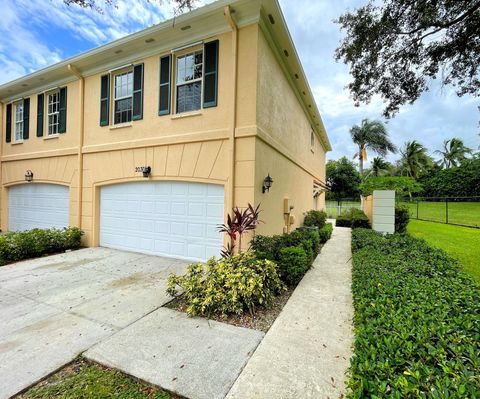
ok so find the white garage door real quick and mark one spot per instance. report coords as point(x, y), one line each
point(176, 219)
point(37, 205)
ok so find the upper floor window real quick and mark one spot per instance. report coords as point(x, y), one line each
point(123, 97)
point(189, 82)
point(53, 112)
point(19, 116)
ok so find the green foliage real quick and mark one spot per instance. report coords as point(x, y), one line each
point(415, 159)
point(343, 179)
point(454, 152)
point(231, 285)
point(315, 218)
point(353, 218)
point(416, 321)
point(293, 263)
point(461, 181)
point(325, 233)
point(402, 217)
point(402, 185)
point(394, 47)
point(16, 246)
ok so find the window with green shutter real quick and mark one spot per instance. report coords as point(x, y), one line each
point(104, 100)
point(62, 116)
point(40, 107)
point(165, 82)
point(210, 78)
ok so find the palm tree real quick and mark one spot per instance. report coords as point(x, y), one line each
point(379, 166)
point(415, 159)
point(454, 152)
point(371, 135)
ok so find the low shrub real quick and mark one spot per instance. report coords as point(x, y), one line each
point(293, 263)
point(17, 246)
point(325, 233)
point(354, 218)
point(230, 285)
point(402, 217)
point(416, 321)
point(315, 218)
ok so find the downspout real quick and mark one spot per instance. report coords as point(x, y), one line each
point(234, 27)
point(75, 72)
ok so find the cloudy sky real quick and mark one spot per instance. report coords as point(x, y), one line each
point(41, 32)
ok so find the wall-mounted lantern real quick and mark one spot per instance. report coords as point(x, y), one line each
point(267, 183)
point(28, 175)
point(146, 171)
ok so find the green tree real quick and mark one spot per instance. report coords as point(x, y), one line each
point(379, 167)
point(181, 5)
point(454, 152)
point(370, 135)
point(343, 179)
point(402, 185)
point(395, 47)
point(415, 159)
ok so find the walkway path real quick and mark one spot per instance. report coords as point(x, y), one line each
point(306, 352)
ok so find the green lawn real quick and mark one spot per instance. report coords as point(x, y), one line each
point(89, 381)
point(462, 243)
point(464, 213)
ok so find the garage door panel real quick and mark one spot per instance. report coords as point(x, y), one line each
point(176, 219)
point(38, 205)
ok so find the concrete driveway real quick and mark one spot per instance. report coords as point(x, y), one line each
point(56, 307)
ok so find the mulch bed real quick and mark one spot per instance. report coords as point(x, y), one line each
point(261, 320)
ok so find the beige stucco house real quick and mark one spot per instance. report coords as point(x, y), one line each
point(147, 142)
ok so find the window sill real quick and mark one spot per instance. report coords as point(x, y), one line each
point(187, 114)
point(121, 126)
point(17, 142)
point(52, 136)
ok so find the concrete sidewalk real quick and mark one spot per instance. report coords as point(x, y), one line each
point(306, 352)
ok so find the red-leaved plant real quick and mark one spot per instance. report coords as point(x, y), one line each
point(240, 222)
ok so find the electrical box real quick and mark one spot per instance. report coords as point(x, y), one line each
point(291, 219)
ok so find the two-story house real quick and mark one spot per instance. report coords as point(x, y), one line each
point(146, 143)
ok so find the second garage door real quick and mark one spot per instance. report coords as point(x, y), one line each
point(177, 219)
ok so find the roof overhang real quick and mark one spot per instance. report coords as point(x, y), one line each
point(185, 29)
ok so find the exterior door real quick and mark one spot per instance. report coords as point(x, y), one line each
point(37, 205)
point(175, 219)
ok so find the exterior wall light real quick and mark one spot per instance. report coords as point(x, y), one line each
point(267, 183)
point(29, 176)
point(146, 171)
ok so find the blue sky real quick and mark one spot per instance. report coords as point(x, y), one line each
point(40, 32)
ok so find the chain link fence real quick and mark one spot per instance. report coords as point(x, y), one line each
point(461, 211)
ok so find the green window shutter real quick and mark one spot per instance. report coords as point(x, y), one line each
point(210, 79)
point(62, 108)
point(137, 113)
point(8, 130)
point(40, 107)
point(26, 118)
point(165, 79)
point(104, 100)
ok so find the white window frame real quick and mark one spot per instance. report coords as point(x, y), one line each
point(18, 123)
point(175, 77)
point(113, 76)
point(49, 114)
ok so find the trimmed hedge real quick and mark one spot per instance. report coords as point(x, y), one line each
point(402, 217)
point(354, 218)
point(315, 218)
point(417, 321)
point(325, 233)
point(230, 285)
point(17, 246)
point(302, 243)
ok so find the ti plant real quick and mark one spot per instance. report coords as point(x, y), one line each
point(240, 222)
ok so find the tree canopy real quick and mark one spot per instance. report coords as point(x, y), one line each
point(343, 179)
point(395, 47)
point(402, 185)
